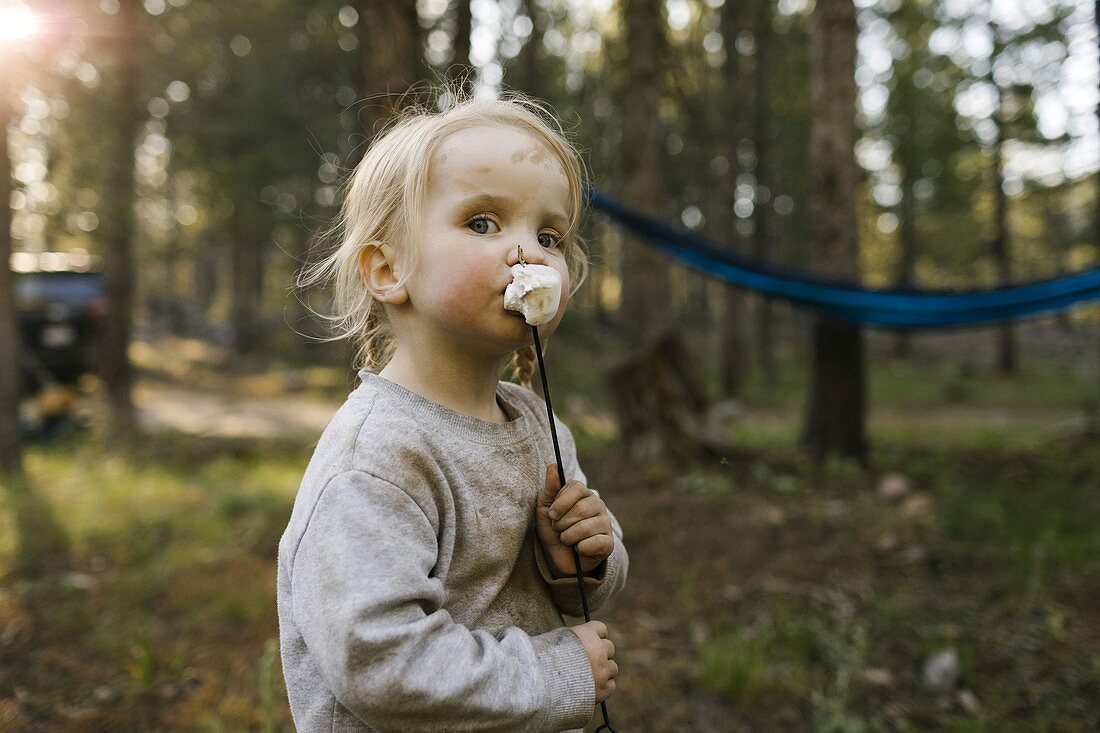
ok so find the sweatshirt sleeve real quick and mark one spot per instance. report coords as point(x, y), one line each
point(606, 579)
point(372, 618)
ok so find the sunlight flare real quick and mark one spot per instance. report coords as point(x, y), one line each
point(17, 23)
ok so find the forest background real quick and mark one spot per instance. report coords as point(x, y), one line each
point(871, 530)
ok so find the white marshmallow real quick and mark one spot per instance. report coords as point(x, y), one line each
point(534, 291)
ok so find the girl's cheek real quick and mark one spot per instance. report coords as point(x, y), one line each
point(563, 299)
point(458, 304)
point(566, 284)
point(469, 287)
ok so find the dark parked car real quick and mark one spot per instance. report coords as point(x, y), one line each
point(61, 302)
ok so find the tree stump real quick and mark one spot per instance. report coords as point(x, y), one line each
point(661, 405)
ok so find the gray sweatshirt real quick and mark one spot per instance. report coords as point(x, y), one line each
point(413, 592)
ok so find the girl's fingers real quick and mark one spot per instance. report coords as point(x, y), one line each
point(573, 492)
point(600, 545)
point(589, 506)
point(584, 528)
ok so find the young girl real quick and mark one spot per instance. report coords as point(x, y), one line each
point(428, 559)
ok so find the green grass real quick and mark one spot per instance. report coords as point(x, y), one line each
point(781, 655)
point(748, 664)
point(909, 384)
point(1034, 511)
point(1012, 530)
point(178, 535)
point(171, 496)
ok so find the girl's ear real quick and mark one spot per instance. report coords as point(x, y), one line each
point(376, 268)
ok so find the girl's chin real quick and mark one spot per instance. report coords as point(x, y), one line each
point(523, 329)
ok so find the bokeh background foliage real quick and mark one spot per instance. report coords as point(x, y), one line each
point(926, 561)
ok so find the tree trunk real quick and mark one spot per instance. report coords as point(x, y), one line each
point(118, 214)
point(174, 264)
point(835, 415)
point(298, 315)
point(1060, 240)
point(460, 68)
point(721, 308)
point(835, 420)
point(390, 37)
point(41, 545)
point(1006, 352)
point(522, 72)
point(206, 273)
point(762, 243)
point(245, 270)
point(11, 376)
point(644, 272)
point(903, 344)
point(733, 350)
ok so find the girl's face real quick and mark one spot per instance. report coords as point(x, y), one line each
point(490, 188)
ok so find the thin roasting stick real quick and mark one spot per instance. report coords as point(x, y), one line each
point(561, 485)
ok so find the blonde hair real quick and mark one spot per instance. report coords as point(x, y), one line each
point(383, 200)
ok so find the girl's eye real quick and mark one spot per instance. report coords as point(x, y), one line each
point(481, 224)
point(554, 240)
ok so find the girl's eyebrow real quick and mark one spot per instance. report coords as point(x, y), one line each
point(481, 199)
point(488, 199)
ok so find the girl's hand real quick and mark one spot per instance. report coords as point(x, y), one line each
point(600, 650)
point(573, 515)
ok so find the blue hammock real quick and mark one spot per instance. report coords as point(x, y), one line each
point(903, 308)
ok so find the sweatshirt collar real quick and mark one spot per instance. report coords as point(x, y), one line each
point(434, 416)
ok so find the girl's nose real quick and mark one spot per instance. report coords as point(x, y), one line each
point(532, 255)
